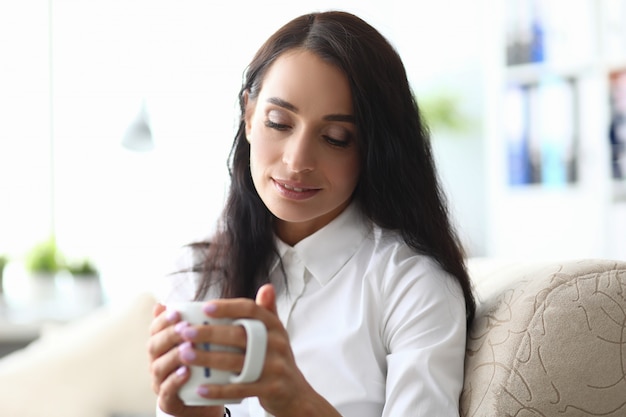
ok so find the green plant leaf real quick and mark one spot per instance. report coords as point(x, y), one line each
point(83, 267)
point(45, 258)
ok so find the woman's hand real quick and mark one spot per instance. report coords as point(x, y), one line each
point(166, 368)
point(282, 389)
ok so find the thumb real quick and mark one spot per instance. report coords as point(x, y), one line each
point(266, 298)
point(157, 309)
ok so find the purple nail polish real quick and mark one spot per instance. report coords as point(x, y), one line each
point(180, 326)
point(181, 372)
point(189, 333)
point(202, 390)
point(209, 308)
point(186, 353)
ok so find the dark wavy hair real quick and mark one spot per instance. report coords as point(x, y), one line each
point(398, 188)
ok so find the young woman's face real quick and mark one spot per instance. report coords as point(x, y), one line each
point(303, 151)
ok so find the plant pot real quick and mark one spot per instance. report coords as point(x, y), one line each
point(24, 290)
point(79, 293)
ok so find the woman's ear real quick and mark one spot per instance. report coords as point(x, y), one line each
point(248, 112)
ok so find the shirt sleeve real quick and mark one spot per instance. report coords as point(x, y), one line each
point(424, 331)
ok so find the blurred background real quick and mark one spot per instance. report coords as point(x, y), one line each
point(116, 118)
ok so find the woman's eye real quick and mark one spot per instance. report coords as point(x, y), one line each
point(277, 126)
point(337, 137)
point(337, 142)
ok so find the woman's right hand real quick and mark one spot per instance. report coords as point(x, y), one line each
point(166, 369)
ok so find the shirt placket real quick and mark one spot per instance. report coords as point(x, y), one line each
point(295, 271)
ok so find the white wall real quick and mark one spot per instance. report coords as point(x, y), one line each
point(185, 58)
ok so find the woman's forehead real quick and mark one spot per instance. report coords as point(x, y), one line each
point(302, 79)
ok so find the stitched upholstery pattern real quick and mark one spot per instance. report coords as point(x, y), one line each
point(548, 340)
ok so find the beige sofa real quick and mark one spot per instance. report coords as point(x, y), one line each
point(549, 340)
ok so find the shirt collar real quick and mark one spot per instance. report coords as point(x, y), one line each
point(324, 252)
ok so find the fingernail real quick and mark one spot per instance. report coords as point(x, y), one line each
point(189, 333)
point(209, 308)
point(181, 372)
point(186, 352)
point(180, 326)
point(202, 391)
point(171, 315)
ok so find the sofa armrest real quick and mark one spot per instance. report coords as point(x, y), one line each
point(95, 366)
point(548, 339)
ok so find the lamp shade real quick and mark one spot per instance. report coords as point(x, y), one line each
point(138, 135)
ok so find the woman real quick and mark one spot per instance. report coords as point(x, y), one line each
point(335, 234)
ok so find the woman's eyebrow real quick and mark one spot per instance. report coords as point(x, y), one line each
point(340, 118)
point(282, 103)
point(331, 117)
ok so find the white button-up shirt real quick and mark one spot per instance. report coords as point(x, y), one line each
point(376, 328)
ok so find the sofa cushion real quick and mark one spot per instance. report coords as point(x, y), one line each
point(94, 367)
point(549, 339)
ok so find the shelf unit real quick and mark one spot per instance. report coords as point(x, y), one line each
point(585, 215)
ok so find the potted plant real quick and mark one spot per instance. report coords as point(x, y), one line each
point(4, 260)
point(44, 259)
point(442, 112)
point(49, 282)
point(83, 268)
point(81, 282)
point(42, 264)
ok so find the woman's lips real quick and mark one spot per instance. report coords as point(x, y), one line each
point(294, 191)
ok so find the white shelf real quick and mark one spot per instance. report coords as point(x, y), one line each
point(533, 73)
point(570, 220)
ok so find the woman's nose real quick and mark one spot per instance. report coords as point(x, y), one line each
point(299, 152)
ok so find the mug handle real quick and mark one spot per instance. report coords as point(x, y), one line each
point(255, 351)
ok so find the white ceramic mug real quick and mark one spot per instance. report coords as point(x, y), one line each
point(256, 332)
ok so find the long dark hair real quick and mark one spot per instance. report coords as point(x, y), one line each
point(398, 188)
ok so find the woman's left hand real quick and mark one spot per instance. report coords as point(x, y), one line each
point(282, 389)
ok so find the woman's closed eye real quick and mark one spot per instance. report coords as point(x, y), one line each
point(276, 119)
point(337, 136)
point(340, 143)
point(277, 126)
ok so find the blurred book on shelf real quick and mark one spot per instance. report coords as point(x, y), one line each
point(541, 132)
point(537, 32)
point(554, 126)
point(516, 121)
point(617, 127)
